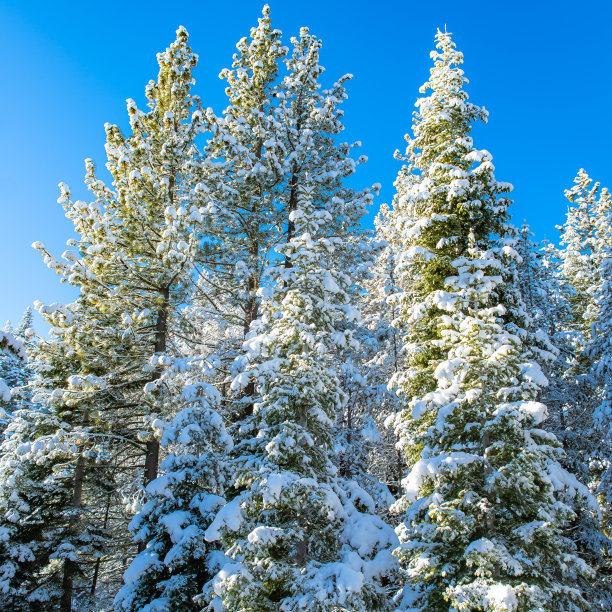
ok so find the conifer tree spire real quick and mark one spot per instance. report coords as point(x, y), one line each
point(486, 502)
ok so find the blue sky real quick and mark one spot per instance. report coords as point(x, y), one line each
point(540, 68)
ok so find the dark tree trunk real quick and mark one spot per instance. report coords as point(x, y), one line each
point(161, 343)
point(70, 567)
point(94, 581)
point(292, 207)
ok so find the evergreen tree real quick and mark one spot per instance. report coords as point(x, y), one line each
point(277, 128)
point(296, 536)
point(582, 272)
point(583, 240)
point(25, 328)
point(180, 504)
point(15, 371)
point(139, 241)
point(107, 374)
point(247, 151)
point(49, 470)
point(600, 351)
point(486, 502)
point(383, 351)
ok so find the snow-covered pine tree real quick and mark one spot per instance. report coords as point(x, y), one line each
point(297, 537)
point(277, 128)
point(246, 150)
point(140, 240)
point(484, 507)
point(180, 504)
point(313, 118)
point(135, 265)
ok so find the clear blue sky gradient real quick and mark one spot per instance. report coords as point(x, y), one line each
point(540, 68)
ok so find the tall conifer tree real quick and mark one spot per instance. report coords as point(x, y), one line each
point(484, 508)
point(295, 534)
point(107, 373)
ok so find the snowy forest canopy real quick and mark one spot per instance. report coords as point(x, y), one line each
point(257, 405)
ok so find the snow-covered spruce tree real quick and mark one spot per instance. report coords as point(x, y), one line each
point(589, 278)
point(298, 539)
point(484, 527)
point(382, 353)
point(586, 245)
point(33, 494)
point(600, 351)
point(548, 311)
point(537, 285)
point(363, 452)
point(483, 513)
point(24, 330)
point(446, 190)
point(545, 298)
point(358, 442)
point(312, 118)
point(15, 371)
point(583, 241)
point(568, 393)
point(180, 504)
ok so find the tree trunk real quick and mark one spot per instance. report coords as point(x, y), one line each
point(161, 337)
point(70, 567)
point(251, 307)
point(161, 345)
point(292, 207)
point(94, 581)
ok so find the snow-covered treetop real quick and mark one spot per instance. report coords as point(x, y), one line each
point(584, 238)
point(587, 198)
point(143, 232)
point(446, 109)
point(255, 65)
point(447, 187)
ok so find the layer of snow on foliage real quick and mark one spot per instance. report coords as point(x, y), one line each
point(428, 468)
point(532, 372)
point(501, 597)
point(5, 392)
point(10, 344)
point(230, 515)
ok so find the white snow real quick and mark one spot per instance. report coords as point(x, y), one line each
point(429, 468)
